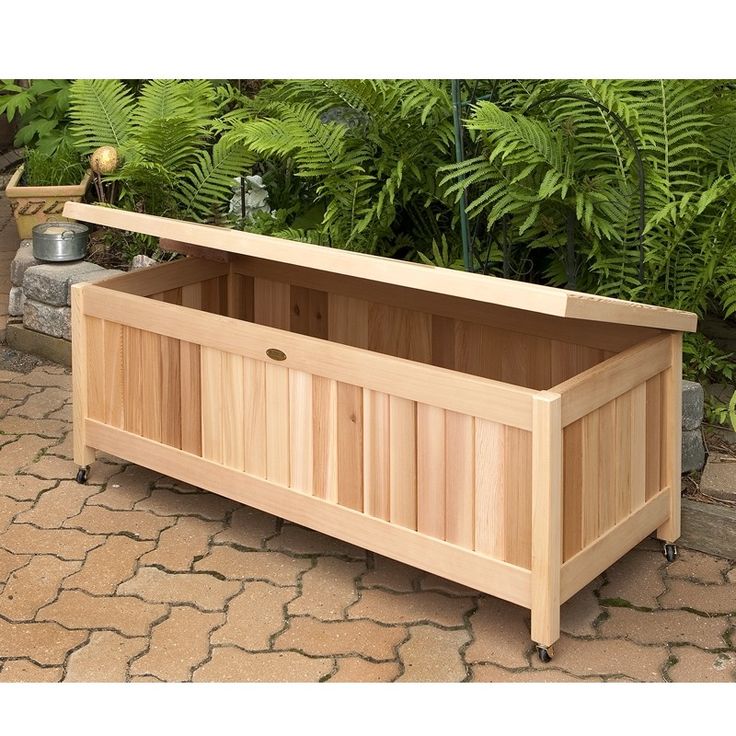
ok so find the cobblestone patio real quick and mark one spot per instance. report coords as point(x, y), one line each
point(138, 578)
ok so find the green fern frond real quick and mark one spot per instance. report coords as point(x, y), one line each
point(101, 111)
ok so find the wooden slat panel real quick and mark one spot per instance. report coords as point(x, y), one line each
point(540, 369)
point(376, 454)
point(211, 377)
point(350, 446)
point(232, 398)
point(191, 398)
point(152, 385)
point(638, 444)
point(622, 458)
point(490, 490)
point(404, 333)
point(114, 386)
point(300, 431)
point(172, 296)
point(516, 358)
point(95, 368)
point(477, 350)
point(191, 296)
point(403, 462)
point(348, 321)
point(211, 297)
point(171, 418)
point(572, 510)
point(591, 476)
point(309, 312)
point(324, 431)
point(133, 378)
point(654, 419)
point(443, 342)
point(518, 497)
point(254, 416)
point(606, 467)
point(277, 422)
point(459, 479)
point(271, 302)
point(431, 470)
point(236, 298)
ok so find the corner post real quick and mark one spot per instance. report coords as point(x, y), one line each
point(546, 517)
point(671, 434)
point(83, 454)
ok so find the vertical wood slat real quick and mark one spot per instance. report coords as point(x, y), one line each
point(638, 453)
point(133, 378)
point(431, 470)
point(518, 496)
point(171, 419)
point(606, 467)
point(211, 381)
point(271, 303)
point(621, 492)
point(348, 320)
point(350, 446)
point(232, 401)
point(190, 398)
point(572, 489)
point(653, 432)
point(309, 311)
point(300, 431)
point(590, 474)
point(443, 342)
point(254, 416)
point(490, 473)
point(376, 454)
point(403, 462)
point(191, 296)
point(404, 333)
point(324, 433)
point(95, 368)
point(152, 385)
point(277, 423)
point(114, 384)
point(459, 479)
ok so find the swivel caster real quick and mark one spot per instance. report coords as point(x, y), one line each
point(544, 653)
point(670, 552)
point(82, 475)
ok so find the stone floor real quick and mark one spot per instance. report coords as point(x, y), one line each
point(135, 577)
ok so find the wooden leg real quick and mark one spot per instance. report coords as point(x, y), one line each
point(546, 517)
point(672, 439)
point(83, 454)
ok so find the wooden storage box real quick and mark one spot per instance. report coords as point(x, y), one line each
point(514, 438)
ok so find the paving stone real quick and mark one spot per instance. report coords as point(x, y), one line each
point(694, 665)
point(254, 616)
point(99, 520)
point(442, 585)
point(636, 578)
point(22, 261)
point(355, 669)
point(229, 664)
point(302, 541)
point(179, 486)
point(109, 565)
point(10, 508)
point(49, 282)
point(578, 615)
point(64, 414)
point(432, 655)
point(104, 658)
point(607, 657)
point(42, 376)
point(76, 609)
point(706, 598)
point(273, 567)
point(718, 479)
point(323, 638)
point(23, 670)
point(15, 391)
point(39, 404)
point(394, 608)
point(179, 545)
point(45, 643)
point(697, 566)
point(328, 589)
point(41, 427)
point(10, 562)
point(16, 301)
point(249, 528)
point(167, 502)
point(178, 645)
point(662, 627)
point(57, 505)
point(145, 678)
point(33, 586)
point(500, 633)
point(493, 673)
point(65, 448)
point(125, 489)
point(393, 575)
point(20, 453)
point(69, 544)
point(23, 487)
point(199, 589)
point(5, 406)
point(50, 466)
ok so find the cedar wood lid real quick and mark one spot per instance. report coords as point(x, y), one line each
point(488, 289)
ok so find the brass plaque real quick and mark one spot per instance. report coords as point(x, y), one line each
point(276, 354)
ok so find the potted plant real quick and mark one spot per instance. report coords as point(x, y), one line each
point(39, 188)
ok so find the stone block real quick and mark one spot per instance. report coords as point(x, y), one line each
point(142, 261)
point(692, 405)
point(22, 262)
point(719, 478)
point(49, 282)
point(28, 341)
point(89, 277)
point(693, 450)
point(50, 320)
point(16, 301)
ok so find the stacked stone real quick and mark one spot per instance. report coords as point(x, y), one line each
point(41, 292)
point(693, 449)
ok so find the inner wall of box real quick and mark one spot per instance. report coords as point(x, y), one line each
point(520, 348)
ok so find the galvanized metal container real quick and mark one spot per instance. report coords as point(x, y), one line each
point(60, 241)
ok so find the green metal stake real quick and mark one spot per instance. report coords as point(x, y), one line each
point(459, 158)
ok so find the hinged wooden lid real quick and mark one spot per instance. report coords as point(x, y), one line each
point(487, 289)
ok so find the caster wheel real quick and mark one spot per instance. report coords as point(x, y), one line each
point(544, 653)
point(82, 475)
point(670, 552)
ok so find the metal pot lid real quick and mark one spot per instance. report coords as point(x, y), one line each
point(60, 230)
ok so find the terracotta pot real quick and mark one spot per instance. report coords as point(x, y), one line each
point(33, 205)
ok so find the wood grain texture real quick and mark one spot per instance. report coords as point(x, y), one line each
point(300, 431)
point(133, 379)
point(654, 431)
point(607, 460)
point(350, 446)
point(405, 333)
point(572, 524)
point(324, 432)
point(152, 389)
point(232, 400)
point(190, 397)
point(638, 440)
point(309, 312)
point(431, 510)
point(94, 367)
point(212, 396)
point(254, 417)
point(518, 497)
point(114, 386)
point(171, 419)
point(376, 454)
point(271, 303)
point(460, 479)
point(348, 320)
point(83, 453)
point(591, 476)
point(490, 488)
point(403, 462)
point(277, 423)
point(622, 464)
